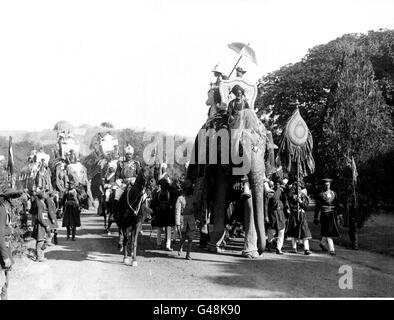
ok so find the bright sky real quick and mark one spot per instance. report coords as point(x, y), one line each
point(148, 63)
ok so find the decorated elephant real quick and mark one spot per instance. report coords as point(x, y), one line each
point(228, 151)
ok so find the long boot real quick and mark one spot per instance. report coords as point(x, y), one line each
point(40, 251)
point(49, 238)
point(74, 230)
point(188, 248)
point(55, 237)
point(68, 233)
point(181, 243)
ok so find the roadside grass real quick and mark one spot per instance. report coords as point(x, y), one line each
point(377, 234)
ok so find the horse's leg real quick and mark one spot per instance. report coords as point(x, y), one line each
point(120, 243)
point(104, 213)
point(135, 233)
point(126, 246)
point(108, 211)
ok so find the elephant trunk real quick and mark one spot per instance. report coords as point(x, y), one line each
point(256, 181)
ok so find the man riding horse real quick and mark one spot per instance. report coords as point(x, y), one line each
point(124, 176)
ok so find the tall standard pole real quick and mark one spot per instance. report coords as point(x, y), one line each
point(298, 190)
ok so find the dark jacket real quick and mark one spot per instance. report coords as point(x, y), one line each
point(327, 205)
point(277, 205)
point(42, 221)
point(297, 226)
point(163, 206)
point(72, 212)
point(234, 107)
point(126, 170)
point(51, 206)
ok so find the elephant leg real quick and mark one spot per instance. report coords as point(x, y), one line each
point(256, 181)
point(219, 210)
point(250, 244)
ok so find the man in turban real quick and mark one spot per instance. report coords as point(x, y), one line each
point(237, 104)
point(128, 169)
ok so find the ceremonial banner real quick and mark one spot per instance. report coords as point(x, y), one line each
point(296, 146)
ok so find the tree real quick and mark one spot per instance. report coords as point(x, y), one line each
point(344, 92)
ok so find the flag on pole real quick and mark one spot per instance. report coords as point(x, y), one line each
point(295, 148)
point(10, 165)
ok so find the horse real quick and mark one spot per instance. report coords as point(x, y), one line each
point(107, 203)
point(130, 215)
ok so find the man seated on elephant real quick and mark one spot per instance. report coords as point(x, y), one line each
point(238, 103)
point(234, 107)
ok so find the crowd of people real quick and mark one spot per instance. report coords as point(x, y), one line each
point(172, 207)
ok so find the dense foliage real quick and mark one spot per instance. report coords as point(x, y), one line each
point(345, 93)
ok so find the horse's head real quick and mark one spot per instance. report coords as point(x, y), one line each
point(145, 177)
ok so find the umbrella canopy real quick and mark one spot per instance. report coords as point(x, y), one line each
point(63, 126)
point(244, 50)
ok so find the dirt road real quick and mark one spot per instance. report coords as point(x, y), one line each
point(92, 268)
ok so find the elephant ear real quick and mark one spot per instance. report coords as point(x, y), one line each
point(248, 131)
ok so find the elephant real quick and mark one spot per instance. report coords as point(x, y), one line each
point(247, 141)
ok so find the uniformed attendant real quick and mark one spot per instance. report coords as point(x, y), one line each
point(276, 220)
point(108, 189)
point(327, 205)
point(6, 260)
point(297, 227)
point(185, 213)
point(125, 174)
point(72, 211)
point(127, 170)
point(41, 225)
point(163, 206)
point(61, 184)
point(53, 225)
